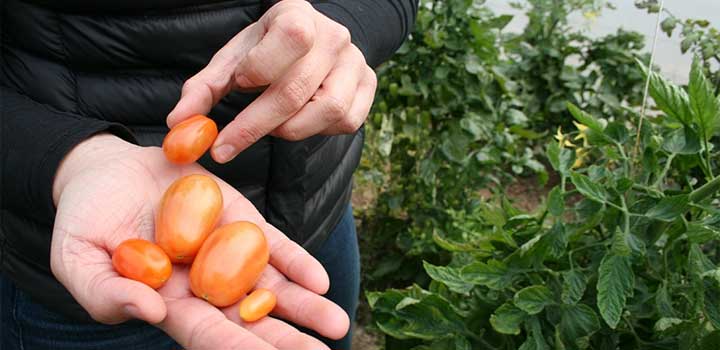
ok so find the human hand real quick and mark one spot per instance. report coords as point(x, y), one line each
point(318, 81)
point(107, 190)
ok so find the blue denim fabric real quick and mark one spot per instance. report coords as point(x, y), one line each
point(26, 325)
point(340, 256)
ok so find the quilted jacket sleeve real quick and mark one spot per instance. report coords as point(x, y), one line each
point(35, 138)
point(378, 27)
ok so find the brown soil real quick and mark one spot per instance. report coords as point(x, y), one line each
point(365, 340)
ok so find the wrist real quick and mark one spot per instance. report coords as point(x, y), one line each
point(91, 151)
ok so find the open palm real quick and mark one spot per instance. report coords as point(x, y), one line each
point(115, 199)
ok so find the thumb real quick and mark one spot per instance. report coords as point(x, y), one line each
point(206, 88)
point(117, 299)
point(86, 271)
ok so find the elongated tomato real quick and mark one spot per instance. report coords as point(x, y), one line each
point(190, 139)
point(229, 263)
point(188, 212)
point(142, 261)
point(257, 305)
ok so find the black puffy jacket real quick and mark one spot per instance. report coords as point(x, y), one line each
point(74, 68)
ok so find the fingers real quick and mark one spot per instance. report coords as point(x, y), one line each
point(277, 333)
point(358, 111)
point(290, 34)
point(85, 269)
point(303, 307)
point(206, 88)
point(276, 105)
point(331, 103)
point(295, 262)
point(197, 325)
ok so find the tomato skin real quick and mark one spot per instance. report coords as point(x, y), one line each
point(188, 213)
point(142, 261)
point(257, 305)
point(229, 263)
point(190, 139)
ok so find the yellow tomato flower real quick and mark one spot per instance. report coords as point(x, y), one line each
point(580, 156)
point(562, 139)
point(582, 133)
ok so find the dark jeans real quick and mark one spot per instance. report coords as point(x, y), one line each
point(26, 325)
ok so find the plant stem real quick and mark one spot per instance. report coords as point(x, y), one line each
point(664, 172)
point(626, 215)
point(707, 157)
point(705, 190)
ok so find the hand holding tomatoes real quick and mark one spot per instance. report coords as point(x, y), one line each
point(106, 192)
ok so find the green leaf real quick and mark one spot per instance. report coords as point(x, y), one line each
point(533, 299)
point(669, 208)
point(493, 274)
point(415, 313)
point(535, 339)
point(516, 117)
point(386, 136)
point(666, 323)
point(451, 277)
point(710, 341)
point(670, 98)
point(507, 319)
point(556, 202)
point(711, 307)
point(699, 233)
point(682, 141)
point(455, 147)
point(705, 105)
point(585, 118)
point(561, 159)
point(552, 244)
point(663, 302)
point(573, 288)
point(576, 323)
point(617, 132)
point(698, 263)
point(616, 281)
point(588, 188)
point(454, 343)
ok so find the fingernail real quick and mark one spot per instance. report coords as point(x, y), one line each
point(132, 311)
point(224, 153)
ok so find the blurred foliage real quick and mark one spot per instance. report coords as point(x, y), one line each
point(466, 106)
point(632, 264)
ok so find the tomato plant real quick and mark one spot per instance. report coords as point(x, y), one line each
point(190, 139)
point(229, 263)
point(189, 211)
point(624, 253)
point(257, 305)
point(142, 261)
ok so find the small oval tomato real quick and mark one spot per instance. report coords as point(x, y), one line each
point(142, 261)
point(229, 263)
point(257, 305)
point(190, 139)
point(189, 211)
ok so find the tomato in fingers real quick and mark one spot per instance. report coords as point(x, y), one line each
point(190, 139)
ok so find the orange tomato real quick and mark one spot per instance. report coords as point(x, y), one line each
point(188, 213)
point(190, 139)
point(142, 261)
point(229, 263)
point(257, 305)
